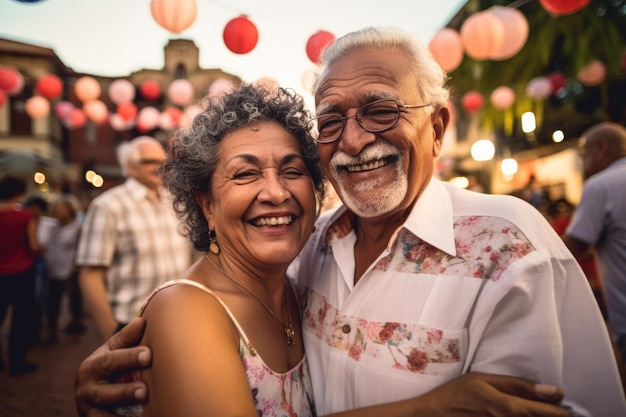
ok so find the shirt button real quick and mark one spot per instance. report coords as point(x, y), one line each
point(346, 328)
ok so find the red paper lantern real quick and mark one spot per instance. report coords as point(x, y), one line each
point(316, 44)
point(482, 34)
point(127, 110)
point(515, 32)
point(3, 98)
point(558, 81)
point(472, 101)
point(150, 90)
point(240, 35)
point(49, 86)
point(11, 81)
point(76, 119)
point(174, 15)
point(563, 7)
point(37, 107)
point(447, 49)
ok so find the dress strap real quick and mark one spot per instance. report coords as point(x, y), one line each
point(203, 288)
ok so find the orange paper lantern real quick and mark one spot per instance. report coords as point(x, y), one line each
point(447, 49)
point(174, 15)
point(96, 111)
point(316, 44)
point(240, 35)
point(482, 34)
point(37, 107)
point(87, 88)
point(593, 74)
point(516, 30)
point(49, 86)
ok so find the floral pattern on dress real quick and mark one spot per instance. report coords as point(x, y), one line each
point(485, 247)
point(407, 347)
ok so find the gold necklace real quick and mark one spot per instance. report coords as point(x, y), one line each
point(287, 327)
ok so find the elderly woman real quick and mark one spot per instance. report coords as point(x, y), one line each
point(246, 180)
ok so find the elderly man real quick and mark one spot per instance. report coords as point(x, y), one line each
point(600, 218)
point(413, 282)
point(129, 241)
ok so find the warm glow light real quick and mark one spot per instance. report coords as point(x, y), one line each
point(558, 136)
point(89, 175)
point(97, 181)
point(528, 122)
point(483, 150)
point(39, 178)
point(508, 166)
point(461, 182)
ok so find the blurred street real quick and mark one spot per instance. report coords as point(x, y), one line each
point(48, 391)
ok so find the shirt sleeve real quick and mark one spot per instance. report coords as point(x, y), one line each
point(588, 219)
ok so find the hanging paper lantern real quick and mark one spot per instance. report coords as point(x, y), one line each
point(165, 121)
point(516, 29)
point(174, 15)
point(148, 119)
point(121, 91)
point(180, 92)
point(240, 35)
point(447, 49)
point(49, 86)
point(3, 98)
point(76, 119)
point(308, 80)
point(87, 88)
point(220, 87)
point(119, 124)
point(127, 110)
point(593, 74)
point(11, 81)
point(502, 97)
point(37, 107)
point(482, 34)
point(563, 7)
point(316, 44)
point(539, 88)
point(472, 101)
point(150, 90)
point(174, 113)
point(63, 109)
point(267, 82)
point(557, 81)
point(96, 111)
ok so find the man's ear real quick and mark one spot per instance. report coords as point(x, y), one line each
point(440, 120)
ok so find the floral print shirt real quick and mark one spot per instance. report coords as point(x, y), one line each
point(470, 282)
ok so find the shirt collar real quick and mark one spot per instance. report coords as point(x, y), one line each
point(431, 219)
point(137, 190)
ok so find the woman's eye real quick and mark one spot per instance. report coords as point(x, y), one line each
point(245, 174)
point(293, 173)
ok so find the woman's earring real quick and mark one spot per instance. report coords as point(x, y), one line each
point(213, 246)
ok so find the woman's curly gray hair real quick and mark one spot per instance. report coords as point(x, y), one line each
point(194, 152)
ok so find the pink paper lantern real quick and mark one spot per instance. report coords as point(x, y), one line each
point(472, 101)
point(127, 110)
point(220, 87)
point(96, 111)
point(148, 119)
point(539, 88)
point(515, 32)
point(49, 86)
point(240, 35)
point(11, 81)
point(316, 44)
point(563, 7)
point(447, 49)
point(121, 91)
point(482, 34)
point(150, 90)
point(593, 74)
point(37, 107)
point(180, 92)
point(502, 97)
point(174, 114)
point(63, 109)
point(87, 88)
point(174, 15)
point(3, 98)
point(119, 124)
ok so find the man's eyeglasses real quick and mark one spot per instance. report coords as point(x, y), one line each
point(374, 117)
point(148, 161)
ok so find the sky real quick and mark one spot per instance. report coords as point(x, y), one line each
point(116, 37)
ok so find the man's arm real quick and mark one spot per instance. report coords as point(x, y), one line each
point(94, 389)
point(93, 289)
point(577, 247)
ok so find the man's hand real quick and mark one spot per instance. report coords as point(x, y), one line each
point(478, 394)
point(95, 389)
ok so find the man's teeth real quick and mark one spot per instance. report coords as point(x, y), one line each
point(366, 167)
point(273, 221)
